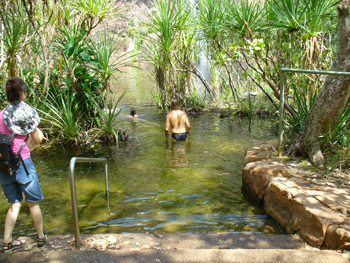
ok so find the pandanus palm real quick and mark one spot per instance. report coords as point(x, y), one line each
point(302, 23)
point(166, 26)
point(105, 61)
point(301, 27)
point(95, 11)
point(243, 18)
point(210, 20)
point(16, 34)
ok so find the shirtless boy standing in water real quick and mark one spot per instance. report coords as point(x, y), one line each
point(178, 121)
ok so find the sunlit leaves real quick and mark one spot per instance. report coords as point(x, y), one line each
point(221, 58)
point(96, 10)
point(172, 38)
point(243, 18)
point(308, 16)
point(210, 19)
point(16, 33)
point(167, 23)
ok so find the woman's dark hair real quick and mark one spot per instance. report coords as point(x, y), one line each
point(14, 87)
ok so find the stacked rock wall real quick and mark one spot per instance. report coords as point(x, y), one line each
point(320, 215)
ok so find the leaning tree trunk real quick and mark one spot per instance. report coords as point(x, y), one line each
point(331, 99)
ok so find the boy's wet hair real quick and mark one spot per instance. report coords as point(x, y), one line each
point(174, 104)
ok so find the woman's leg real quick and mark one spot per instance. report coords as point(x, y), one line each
point(37, 218)
point(10, 221)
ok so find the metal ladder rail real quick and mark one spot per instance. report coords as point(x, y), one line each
point(72, 163)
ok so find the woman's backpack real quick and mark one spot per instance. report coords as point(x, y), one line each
point(10, 161)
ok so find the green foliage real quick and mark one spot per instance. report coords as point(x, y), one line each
point(256, 46)
point(303, 101)
point(79, 80)
point(131, 31)
point(69, 86)
point(211, 19)
point(336, 143)
point(308, 16)
point(138, 44)
point(108, 115)
point(63, 116)
point(158, 99)
point(94, 11)
point(221, 58)
point(338, 137)
point(126, 42)
point(15, 35)
point(196, 100)
point(104, 60)
point(169, 40)
point(242, 18)
point(246, 106)
point(167, 24)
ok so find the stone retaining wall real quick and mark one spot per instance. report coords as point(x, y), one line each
point(320, 215)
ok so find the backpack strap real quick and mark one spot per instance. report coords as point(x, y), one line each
point(24, 143)
point(24, 166)
point(19, 152)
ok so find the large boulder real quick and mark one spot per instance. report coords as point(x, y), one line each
point(318, 213)
point(257, 176)
point(338, 237)
point(299, 213)
point(262, 152)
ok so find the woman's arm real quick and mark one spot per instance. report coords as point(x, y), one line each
point(37, 136)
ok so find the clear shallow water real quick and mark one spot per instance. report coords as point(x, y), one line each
point(156, 185)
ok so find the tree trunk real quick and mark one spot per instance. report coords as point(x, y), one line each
point(331, 99)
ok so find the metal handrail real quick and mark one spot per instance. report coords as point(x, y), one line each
point(281, 109)
point(74, 193)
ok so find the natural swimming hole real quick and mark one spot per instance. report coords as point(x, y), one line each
point(155, 185)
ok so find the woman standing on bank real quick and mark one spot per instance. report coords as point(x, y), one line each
point(22, 120)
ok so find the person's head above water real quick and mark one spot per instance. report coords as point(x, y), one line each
point(132, 112)
point(174, 104)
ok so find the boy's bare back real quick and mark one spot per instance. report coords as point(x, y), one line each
point(178, 121)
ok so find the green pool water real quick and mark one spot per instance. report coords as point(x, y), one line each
point(155, 185)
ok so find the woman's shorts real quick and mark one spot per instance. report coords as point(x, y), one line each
point(19, 182)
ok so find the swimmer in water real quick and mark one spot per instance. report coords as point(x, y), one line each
point(133, 113)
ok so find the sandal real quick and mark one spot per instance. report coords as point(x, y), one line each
point(8, 247)
point(41, 241)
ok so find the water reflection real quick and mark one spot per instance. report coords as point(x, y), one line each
point(176, 153)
